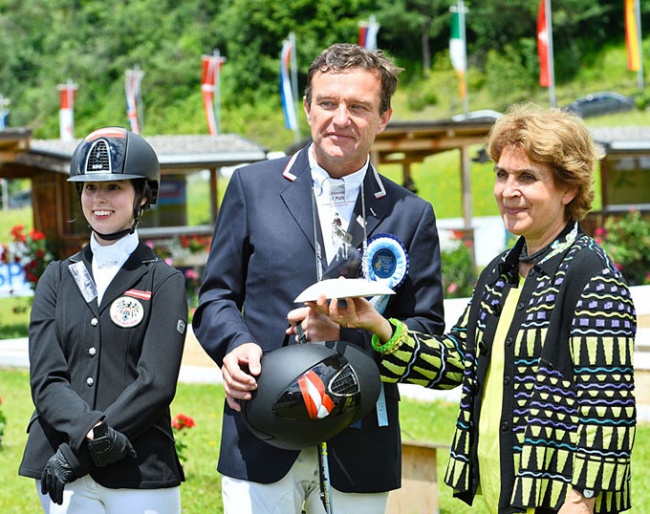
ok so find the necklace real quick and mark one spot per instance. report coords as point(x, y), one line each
point(524, 257)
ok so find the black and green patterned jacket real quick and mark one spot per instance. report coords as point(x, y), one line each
point(569, 412)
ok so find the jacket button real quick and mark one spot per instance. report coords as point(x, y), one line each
point(92, 351)
point(521, 306)
point(94, 322)
point(505, 426)
point(90, 381)
point(506, 380)
point(509, 341)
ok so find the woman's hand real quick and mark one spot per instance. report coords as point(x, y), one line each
point(354, 313)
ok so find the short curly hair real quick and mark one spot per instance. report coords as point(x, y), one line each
point(344, 56)
point(554, 137)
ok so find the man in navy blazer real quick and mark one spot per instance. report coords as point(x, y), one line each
point(271, 242)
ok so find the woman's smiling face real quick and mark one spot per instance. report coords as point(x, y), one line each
point(108, 206)
point(528, 199)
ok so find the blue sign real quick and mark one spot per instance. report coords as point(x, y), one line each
point(13, 281)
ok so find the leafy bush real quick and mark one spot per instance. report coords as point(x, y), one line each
point(458, 269)
point(627, 241)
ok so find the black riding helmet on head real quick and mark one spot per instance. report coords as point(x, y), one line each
point(114, 153)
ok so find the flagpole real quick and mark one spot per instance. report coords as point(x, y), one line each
point(294, 83)
point(461, 14)
point(138, 99)
point(637, 15)
point(216, 54)
point(551, 61)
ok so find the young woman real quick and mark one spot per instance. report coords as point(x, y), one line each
point(106, 339)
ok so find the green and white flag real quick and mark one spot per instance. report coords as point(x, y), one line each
point(457, 50)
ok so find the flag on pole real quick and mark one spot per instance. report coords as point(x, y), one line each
point(4, 112)
point(132, 92)
point(67, 95)
point(632, 36)
point(368, 33)
point(457, 47)
point(542, 46)
point(209, 84)
point(286, 90)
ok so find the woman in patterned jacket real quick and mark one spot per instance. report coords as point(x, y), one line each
point(544, 348)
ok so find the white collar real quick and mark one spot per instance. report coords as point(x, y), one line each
point(319, 175)
point(114, 254)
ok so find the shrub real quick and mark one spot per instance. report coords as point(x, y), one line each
point(458, 269)
point(627, 241)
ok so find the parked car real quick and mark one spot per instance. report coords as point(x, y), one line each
point(484, 114)
point(604, 102)
point(20, 199)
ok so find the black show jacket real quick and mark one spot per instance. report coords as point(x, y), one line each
point(89, 362)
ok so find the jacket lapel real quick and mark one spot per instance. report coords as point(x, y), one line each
point(297, 195)
point(376, 207)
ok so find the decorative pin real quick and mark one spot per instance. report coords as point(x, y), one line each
point(127, 312)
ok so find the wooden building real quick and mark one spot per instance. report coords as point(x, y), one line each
point(55, 202)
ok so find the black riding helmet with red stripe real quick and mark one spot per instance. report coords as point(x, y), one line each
point(308, 393)
point(114, 153)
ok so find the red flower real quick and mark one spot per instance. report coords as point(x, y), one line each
point(17, 233)
point(182, 421)
point(36, 235)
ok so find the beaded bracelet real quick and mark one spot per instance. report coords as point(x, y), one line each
point(399, 336)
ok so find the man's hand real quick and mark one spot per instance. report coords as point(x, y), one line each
point(56, 474)
point(110, 447)
point(240, 367)
point(316, 325)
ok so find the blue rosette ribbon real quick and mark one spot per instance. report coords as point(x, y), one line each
point(386, 260)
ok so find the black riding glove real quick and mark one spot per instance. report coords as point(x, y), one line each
point(111, 446)
point(56, 474)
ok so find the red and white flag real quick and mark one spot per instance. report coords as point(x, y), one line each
point(132, 92)
point(210, 84)
point(67, 95)
point(543, 36)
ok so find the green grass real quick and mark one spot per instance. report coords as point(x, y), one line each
point(425, 422)
point(13, 217)
point(14, 317)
